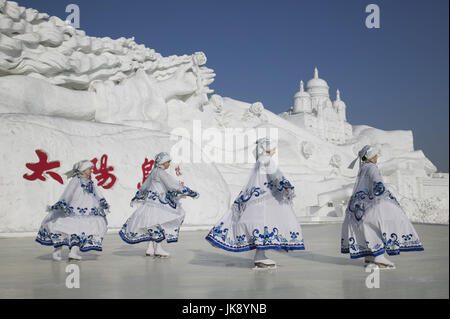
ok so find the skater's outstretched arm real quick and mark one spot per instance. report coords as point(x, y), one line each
point(175, 186)
point(276, 178)
point(170, 182)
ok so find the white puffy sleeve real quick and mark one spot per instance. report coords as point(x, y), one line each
point(63, 204)
point(277, 181)
point(174, 187)
point(102, 203)
point(142, 193)
point(170, 182)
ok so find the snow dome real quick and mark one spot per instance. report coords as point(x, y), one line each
point(317, 86)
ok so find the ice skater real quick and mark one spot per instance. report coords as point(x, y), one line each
point(160, 214)
point(374, 222)
point(78, 219)
point(262, 216)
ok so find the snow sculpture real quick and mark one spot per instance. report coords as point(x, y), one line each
point(120, 80)
point(255, 111)
point(307, 149)
point(256, 108)
point(222, 117)
point(217, 101)
point(314, 111)
point(335, 161)
point(79, 97)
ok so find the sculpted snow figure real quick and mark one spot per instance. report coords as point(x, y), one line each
point(102, 79)
point(160, 214)
point(261, 217)
point(78, 219)
point(374, 222)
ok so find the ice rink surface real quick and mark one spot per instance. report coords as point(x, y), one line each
point(198, 270)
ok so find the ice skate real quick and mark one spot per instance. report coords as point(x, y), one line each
point(383, 263)
point(151, 249)
point(56, 255)
point(262, 262)
point(73, 255)
point(160, 252)
point(265, 264)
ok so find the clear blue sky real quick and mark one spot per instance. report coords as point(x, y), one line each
point(395, 77)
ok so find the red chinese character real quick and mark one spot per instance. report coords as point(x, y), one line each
point(103, 172)
point(43, 167)
point(146, 169)
point(177, 171)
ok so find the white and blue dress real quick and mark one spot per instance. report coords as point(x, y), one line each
point(159, 215)
point(374, 222)
point(77, 219)
point(262, 216)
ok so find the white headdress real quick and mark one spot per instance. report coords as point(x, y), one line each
point(78, 168)
point(367, 152)
point(264, 145)
point(161, 158)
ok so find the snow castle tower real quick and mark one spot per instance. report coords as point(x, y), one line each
point(314, 111)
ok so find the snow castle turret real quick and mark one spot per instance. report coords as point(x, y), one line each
point(302, 101)
point(314, 111)
point(340, 106)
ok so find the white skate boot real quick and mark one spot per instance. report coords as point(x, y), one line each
point(383, 263)
point(73, 255)
point(262, 262)
point(151, 249)
point(56, 255)
point(160, 252)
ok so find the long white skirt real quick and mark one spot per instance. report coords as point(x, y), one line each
point(86, 232)
point(267, 224)
point(153, 222)
point(383, 228)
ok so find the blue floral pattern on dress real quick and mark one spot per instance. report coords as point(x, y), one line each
point(84, 241)
point(189, 192)
point(87, 187)
point(82, 211)
point(392, 246)
point(282, 189)
point(170, 198)
point(279, 185)
point(103, 203)
point(360, 201)
point(378, 188)
point(268, 238)
point(156, 234)
point(243, 197)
